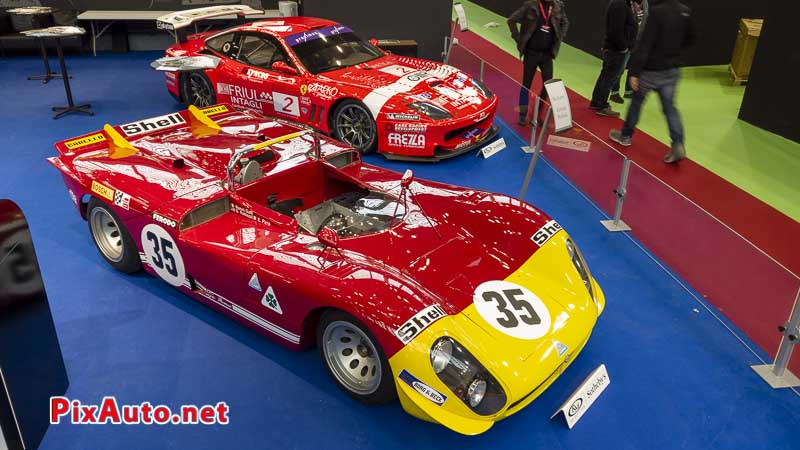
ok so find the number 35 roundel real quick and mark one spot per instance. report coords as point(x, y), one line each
point(512, 309)
point(163, 255)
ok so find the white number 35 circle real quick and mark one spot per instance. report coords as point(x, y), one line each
point(512, 309)
point(163, 255)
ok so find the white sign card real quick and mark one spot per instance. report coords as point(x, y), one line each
point(583, 397)
point(559, 101)
point(493, 148)
point(462, 16)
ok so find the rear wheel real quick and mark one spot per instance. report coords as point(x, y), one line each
point(112, 238)
point(197, 90)
point(354, 125)
point(354, 358)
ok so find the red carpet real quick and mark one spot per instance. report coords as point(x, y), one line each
point(749, 288)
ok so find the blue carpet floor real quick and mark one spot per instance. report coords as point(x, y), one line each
point(679, 378)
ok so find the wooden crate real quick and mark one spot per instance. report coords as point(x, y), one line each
point(745, 49)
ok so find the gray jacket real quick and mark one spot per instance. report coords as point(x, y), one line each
point(527, 16)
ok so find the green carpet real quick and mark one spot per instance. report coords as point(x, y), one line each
point(761, 163)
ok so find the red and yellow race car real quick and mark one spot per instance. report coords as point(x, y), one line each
point(464, 304)
point(320, 73)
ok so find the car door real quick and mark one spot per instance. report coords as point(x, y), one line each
point(273, 93)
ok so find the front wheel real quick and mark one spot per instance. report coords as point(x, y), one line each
point(354, 358)
point(354, 125)
point(197, 90)
point(111, 238)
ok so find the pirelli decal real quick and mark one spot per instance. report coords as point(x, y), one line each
point(212, 110)
point(103, 191)
point(84, 141)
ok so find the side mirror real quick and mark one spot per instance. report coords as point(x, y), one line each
point(282, 67)
point(328, 238)
point(408, 177)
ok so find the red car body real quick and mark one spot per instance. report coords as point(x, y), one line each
point(386, 85)
point(167, 179)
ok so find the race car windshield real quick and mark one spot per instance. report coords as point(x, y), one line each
point(334, 52)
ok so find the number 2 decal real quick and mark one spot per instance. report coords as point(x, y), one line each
point(286, 104)
point(289, 102)
point(512, 309)
point(163, 255)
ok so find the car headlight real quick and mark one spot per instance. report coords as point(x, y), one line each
point(435, 112)
point(441, 354)
point(466, 377)
point(484, 90)
point(583, 270)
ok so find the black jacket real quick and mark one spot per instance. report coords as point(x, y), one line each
point(527, 17)
point(669, 31)
point(621, 26)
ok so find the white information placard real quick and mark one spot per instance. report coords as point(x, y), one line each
point(559, 101)
point(493, 148)
point(462, 16)
point(583, 397)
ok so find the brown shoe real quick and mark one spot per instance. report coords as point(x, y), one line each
point(607, 112)
point(677, 153)
point(616, 98)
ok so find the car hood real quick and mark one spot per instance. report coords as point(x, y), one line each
point(405, 80)
point(487, 237)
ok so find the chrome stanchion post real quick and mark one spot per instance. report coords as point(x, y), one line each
point(616, 224)
point(482, 64)
point(537, 150)
point(776, 374)
point(449, 44)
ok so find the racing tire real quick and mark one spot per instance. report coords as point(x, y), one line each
point(197, 90)
point(111, 238)
point(354, 359)
point(353, 124)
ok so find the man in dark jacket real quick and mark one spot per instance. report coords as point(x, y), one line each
point(655, 67)
point(619, 41)
point(538, 27)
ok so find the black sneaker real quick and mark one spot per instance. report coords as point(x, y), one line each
point(522, 122)
point(607, 112)
point(615, 97)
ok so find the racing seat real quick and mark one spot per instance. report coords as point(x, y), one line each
point(285, 207)
point(249, 173)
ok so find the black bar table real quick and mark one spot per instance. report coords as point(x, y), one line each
point(57, 33)
point(37, 12)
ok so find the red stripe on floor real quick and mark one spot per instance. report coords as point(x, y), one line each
point(748, 287)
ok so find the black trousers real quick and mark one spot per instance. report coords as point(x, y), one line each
point(612, 63)
point(542, 60)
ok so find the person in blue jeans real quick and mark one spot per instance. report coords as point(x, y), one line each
point(620, 37)
point(640, 9)
point(655, 66)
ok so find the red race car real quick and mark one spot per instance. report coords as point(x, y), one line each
point(464, 304)
point(320, 73)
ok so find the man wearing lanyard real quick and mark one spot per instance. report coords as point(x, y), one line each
point(538, 27)
point(619, 41)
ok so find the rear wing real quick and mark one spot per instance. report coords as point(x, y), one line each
point(181, 19)
point(116, 138)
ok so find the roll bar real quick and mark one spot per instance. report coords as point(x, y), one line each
point(238, 154)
